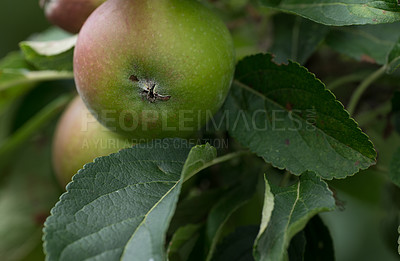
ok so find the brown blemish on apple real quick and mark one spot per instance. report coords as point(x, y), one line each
point(133, 78)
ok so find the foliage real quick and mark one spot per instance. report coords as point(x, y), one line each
point(296, 148)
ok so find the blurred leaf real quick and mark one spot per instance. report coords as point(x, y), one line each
point(370, 43)
point(16, 73)
point(123, 197)
point(10, 95)
point(314, 243)
point(194, 209)
point(394, 173)
point(287, 116)
point(13, 60)
point(389, 220)
point(237, 246)
point(296, 38)
point(50, 55)
point(341, 12)
point(319, 246)
point(6, 119)
point(386, 140)
point(182, 242)
point(9, 145)
point(15, 77)
point(38, 98)
point(224, 208)
point(297, 247)
point(357, 231)
point(396, 110)
point(366, 186)
point(393, 58)
point(37, 253)
point(292, 208)
point(26, 198)
point(53, 33)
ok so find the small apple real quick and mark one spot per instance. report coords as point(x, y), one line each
point(79, 139)
point(69, 14)
point(153, 69)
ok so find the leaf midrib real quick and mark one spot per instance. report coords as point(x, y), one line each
point(146, 215)
point(109, 193)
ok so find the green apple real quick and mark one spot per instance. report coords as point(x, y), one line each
point(153, 69)
point(69, 14)
point(79, 139)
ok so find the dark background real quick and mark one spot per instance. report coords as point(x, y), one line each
point(18, 20)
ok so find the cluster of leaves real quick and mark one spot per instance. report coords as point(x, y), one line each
point(260, 198)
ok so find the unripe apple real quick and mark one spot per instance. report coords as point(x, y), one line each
point(69, 14)
point(79, 139)
point(153, 69)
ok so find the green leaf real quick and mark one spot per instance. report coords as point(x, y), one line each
point(296, 38)
point(287, 116)
point(394, 172)
point(53, 33)
point(15, 77)
point(194, 209)
point(393, 58)
point(224, 208)
point(198, 159)
point(341, 12)
point(50, 55)
point(237, 246)
point(26, 197)
point(119, 207)
point(269, 204)
point(182, 242)
point(14, 61)
point(398, 241)
point(370, 43)
point(292, 208)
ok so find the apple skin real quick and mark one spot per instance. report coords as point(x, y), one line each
point(177, 46)
point(70, 15)
point(79, 139)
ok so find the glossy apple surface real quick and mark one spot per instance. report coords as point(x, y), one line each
point(153, 69)
point(70, 15)
point(79, 139)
